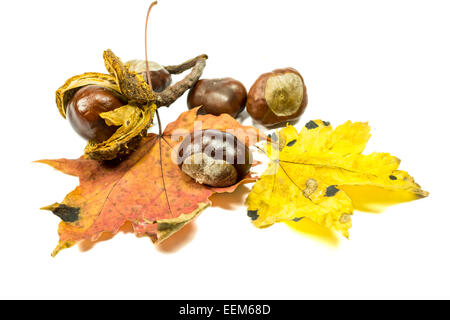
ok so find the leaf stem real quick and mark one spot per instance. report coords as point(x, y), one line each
point(161, 161)
point(159, 122)
point(149, 81)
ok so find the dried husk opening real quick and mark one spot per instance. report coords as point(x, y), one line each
point(132, 84)
point(72, 85)
point(136, 117)
point(133, 123)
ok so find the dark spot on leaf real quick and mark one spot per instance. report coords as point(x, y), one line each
point(331, 191)
point(253, 214)
point(66, 213)
point(291, 143)
point(392, 177)
point(297, 219)
point(326, 123)
point(311, 125)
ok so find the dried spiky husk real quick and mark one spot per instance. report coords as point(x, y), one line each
point(132, 84)
point(133, 119)
point(134, 122)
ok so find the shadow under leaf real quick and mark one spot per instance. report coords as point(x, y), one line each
point(315, 231)
point(230, 201)
point(87, 245)
point(179, 239)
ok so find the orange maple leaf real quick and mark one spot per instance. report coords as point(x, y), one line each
point(147, 189)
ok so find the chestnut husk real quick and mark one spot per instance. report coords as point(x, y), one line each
point(136, 117)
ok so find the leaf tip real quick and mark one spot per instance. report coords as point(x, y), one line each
point(61, 246)
point(65, 212)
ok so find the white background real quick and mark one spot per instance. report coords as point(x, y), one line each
point(386, 62)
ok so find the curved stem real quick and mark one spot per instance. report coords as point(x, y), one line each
point(146, 56)
point(177, 69)
point(172, 93)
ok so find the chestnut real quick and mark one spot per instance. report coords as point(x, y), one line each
point(218, 96)
point(84, 108)
point(214, 158)
point(277, 96)
point(160, 77)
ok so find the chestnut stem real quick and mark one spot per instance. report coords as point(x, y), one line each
point(177, 69)
point(146, 57)
point(172, 93)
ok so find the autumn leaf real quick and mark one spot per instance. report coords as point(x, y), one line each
point(147, 189)
point(321, 174)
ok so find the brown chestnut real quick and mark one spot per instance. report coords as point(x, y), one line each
point(214, 158)
point(218, 96)
point(84, 108)
point(277, 96)
point(160, 77)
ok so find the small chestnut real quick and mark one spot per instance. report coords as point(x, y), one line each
point(160, 77)
point(277, 96)
point(84, 108)
point(214, 158)
point(218, 96)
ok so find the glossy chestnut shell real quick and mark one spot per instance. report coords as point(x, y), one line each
point(84, 108)
point(217, 96)
point(160, 78)
point(277, 97)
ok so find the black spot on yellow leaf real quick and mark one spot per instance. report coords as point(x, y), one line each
point(253, 214)
point(392, 177)
point(291, 143)
point(66, 213)
point(311, 125)
point(297, 219)
point(331, 191)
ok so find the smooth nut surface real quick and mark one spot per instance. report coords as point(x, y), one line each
point(84, 108)
point(218, 96)
point(214, 158)
point(277, 96)
point(160, 77)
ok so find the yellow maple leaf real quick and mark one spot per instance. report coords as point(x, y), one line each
point(321, 174)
